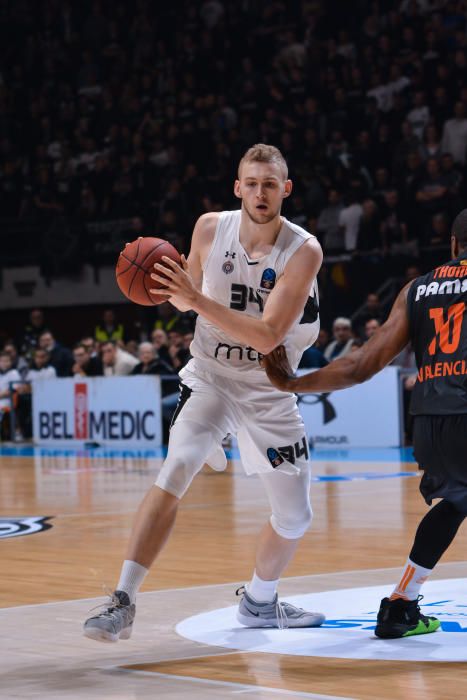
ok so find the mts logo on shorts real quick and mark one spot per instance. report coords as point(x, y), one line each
point(287, 452)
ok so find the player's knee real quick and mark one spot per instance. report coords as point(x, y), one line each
point(178, 472)
point(292, 526)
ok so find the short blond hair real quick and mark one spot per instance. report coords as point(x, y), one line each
point(264, 153)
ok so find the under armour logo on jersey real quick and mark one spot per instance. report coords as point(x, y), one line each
point(230, 255)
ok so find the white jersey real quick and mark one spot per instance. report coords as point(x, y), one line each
point(233, 279)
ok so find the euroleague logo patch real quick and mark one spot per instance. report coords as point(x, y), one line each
point(274, 457)
point(228, 267)
point(268, 279)
point(16, 527)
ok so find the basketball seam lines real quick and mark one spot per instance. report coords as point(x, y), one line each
point(136, 271)
point(139, 266)
point(133, 262)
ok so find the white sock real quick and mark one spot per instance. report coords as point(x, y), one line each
point(413, 578)
point(131, 577)
point(262, 591)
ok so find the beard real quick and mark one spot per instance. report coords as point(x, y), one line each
point(257, 218)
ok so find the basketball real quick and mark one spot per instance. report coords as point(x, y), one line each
point(135, 265)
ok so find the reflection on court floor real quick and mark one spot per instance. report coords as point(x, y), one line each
point(77, 506)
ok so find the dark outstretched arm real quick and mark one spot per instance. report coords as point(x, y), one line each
point(357, 367)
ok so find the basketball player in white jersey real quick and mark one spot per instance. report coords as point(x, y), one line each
point(251, 277)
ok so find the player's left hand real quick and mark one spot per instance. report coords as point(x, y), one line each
point(178, 285)
point(278, 369)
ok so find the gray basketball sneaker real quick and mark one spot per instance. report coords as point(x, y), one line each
point(274, 614)
point(113, 623)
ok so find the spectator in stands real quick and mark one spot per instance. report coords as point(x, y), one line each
point(18, 362)
point(369, 230)
point(408, 144)
point(7, 375)
point(91, 345)
point(394, 229)
point(431, 194)
point(41, 366)
point(132, 347)
point(313, 357)
point(438, 233)
point(86, 364)
point(60, 357)
point(167, 317)
point(371, 326)
point(322, 341)
point(454, 140)
point(349, 221)
point(411, 273)
point(150, 362)
point(116, 362)
point(109, 328)
point(329, 232)
point(454, 182)
point(343, 340)
point(431, 144)
point(419, 115)
point(161, 345)
point(33, 329)
point(179, 354)
point(370, 310)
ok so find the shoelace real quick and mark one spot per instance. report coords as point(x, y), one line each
point(281, 615)
point(109, 606)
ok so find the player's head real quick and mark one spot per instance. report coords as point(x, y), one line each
point(262, 182)
point(459, 234)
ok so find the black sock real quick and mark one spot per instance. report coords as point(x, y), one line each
point(435, 533)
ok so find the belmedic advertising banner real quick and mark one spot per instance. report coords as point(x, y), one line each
point(117, 411)
point(366, 415)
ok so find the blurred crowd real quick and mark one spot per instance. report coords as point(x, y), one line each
point(111, 350)
point(141, 111)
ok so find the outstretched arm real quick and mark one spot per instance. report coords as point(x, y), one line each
point(357, 367)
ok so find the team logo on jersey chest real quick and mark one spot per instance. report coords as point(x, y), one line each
point(228, 267)
point(268, 279)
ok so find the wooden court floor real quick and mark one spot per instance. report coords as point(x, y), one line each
point(365, 514)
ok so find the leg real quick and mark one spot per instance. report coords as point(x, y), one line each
point(152, 526)
point(434, 534)
point(273, 553)
point(400, 615)
point(289, 496)
point(188, 448)
point(291, 517)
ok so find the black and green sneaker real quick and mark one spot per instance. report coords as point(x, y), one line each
point(402, 618)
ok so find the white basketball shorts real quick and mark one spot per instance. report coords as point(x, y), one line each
point(268, 426)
